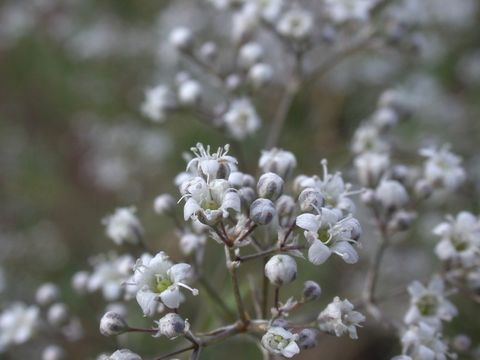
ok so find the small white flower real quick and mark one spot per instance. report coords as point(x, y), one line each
point(460, 239)
point(189, 92)
point(368, 138)
point(278, 161)
point(277, 340)
point(123, 226)
point(371, 166)
point(209, 165)
point(158, 101)
point(443, 168)
point(181, 38)
point(343, 10)
point(122, 354)
point(241, 119)
point(158, 279)
point(250, 54)
point(428, 304)
point(391, 194)
point(191, 242)
point(260, 74)
point(296, 24)
point(424, 342)
point(47, 294)
point(53, 352)
point(109, 274)
point(339, 318)
point(326, 235)
point(210, 202)
point(18, 323)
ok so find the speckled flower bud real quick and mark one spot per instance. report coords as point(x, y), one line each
point(172, 326)
point(270, 186)
point(164, 204)
point(247, 196)
point(307, 339)
point(281, 269)
point(310, 200)
point(285, 205)
point(112, 323)
point(262, 211)
point(47, 294)
point(311, 290)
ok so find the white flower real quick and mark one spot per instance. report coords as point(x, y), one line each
point(181, 38)
point(189, 92)
point(344, 10)
point(268, 9)
point(443, 168)
point(241, 119)
point(109, 274)
point(339, 318)
point(122, 354)
point(326, 235)
point(53, 352)
point(296, 24)
point(18, 323)
point(191, 242)
point(209, 165)
point(260, 74)
point(277, 340)
point(371, 166)
point(249, 54)
point(123, 226)
point(158, 279)
point(423, 342)
point(209, 202)
point(158, 101)
point(460, 239)
point(278, 161)
point(368, 138)
point(428, 304)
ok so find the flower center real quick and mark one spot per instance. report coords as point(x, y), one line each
point(427, 305)
point(459, 243)
point(323, 235)
point(210, 205)
point(161, 284)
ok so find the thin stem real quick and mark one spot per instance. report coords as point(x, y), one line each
point(141, 330)
point(265, 287)
point(276, 301)
point(268, 252)
point(176, 352)
point(249, 231)
point(196, 354)
point(236, 289)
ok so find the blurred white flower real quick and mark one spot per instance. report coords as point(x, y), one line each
point(18, 323)
point(339, 317)
point(241, 119)
point(123, 226)
point(443, 168)
point(296, 23)
point(158, 101)
point(343, 10)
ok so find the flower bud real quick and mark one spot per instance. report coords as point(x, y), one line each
point(307, 339)
point(112, 323)
point(250, 54)
point(80, 281)
point(368, 197)
point(311, 290)
point(281, 269)
point(462, 343)
point(401, 221)
point(53, 352)
point(423, 189)
point(181, 38)
point(400, 173)
point(285, 205)
point(172, 326)
point(47, 294)
point(310, 200)
point(278, 161)
point(391, 194)
point(123, 354)
point(262, 211)
point(208, 52)
point(189, 92)
point(299, 184)
point(260, 74)
point(385, 117)
point(57, 314)
point(164, 204)
point(233, 82)
point(370, 167)
point(270, 186)
point(247, 196)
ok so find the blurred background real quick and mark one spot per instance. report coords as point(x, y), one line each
point(74, 146)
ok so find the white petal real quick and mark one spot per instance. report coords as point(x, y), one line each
point(329, 217)
point(291, 350)
point(171, 297)
point(318, 253)
point(190, 208)
point(180, 273)
point(231, 200)
point(346, 251)
point(148, 301)
point(308, 222)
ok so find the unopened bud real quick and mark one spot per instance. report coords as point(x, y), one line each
point(307, 339)
point(57, 314)
point(80, 281)
point(112, 323)
point(260, 74)
point(208, 52)
point(181, 38)
point(385, 117)
point(462, 343)
point(278, 161)
point(281, 269)
point(401, 221)
point(423, 189)
point(368, 197)
point(311, 290)
point(247, 196)
point(285, 205)
point(391, 194)
point(53, 352)
point(262, 211)
point(164, 204)
point(172, 326)
point(47, 294)
point(310, 200)
point(250, 54)
point(189, 92)
point(270, 186)
point(233, 82)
